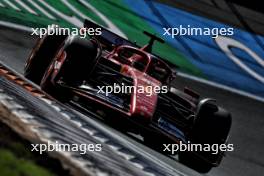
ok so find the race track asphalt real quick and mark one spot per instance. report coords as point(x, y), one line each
point(248, 115)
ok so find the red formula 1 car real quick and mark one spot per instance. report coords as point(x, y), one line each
point(112, 75)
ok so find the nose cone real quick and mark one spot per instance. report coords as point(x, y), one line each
point(145, 98)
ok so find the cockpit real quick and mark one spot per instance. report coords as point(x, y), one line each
point(143, 62)
point(134, 58)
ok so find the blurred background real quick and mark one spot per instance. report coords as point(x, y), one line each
point(228, 68)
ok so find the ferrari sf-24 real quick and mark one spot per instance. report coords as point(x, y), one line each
point(72, 69)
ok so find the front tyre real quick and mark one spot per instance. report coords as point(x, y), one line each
point(211, 127)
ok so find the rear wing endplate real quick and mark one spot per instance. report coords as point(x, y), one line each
point(107, 37)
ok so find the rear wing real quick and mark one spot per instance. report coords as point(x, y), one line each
point(108, 38)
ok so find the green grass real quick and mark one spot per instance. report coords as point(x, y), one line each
point(17, 159)
point(11, 165)
point(118, 12)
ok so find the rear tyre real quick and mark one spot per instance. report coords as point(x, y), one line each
point(41, 56)
point(80, 54)
point(211, 127)
point(82, 57)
